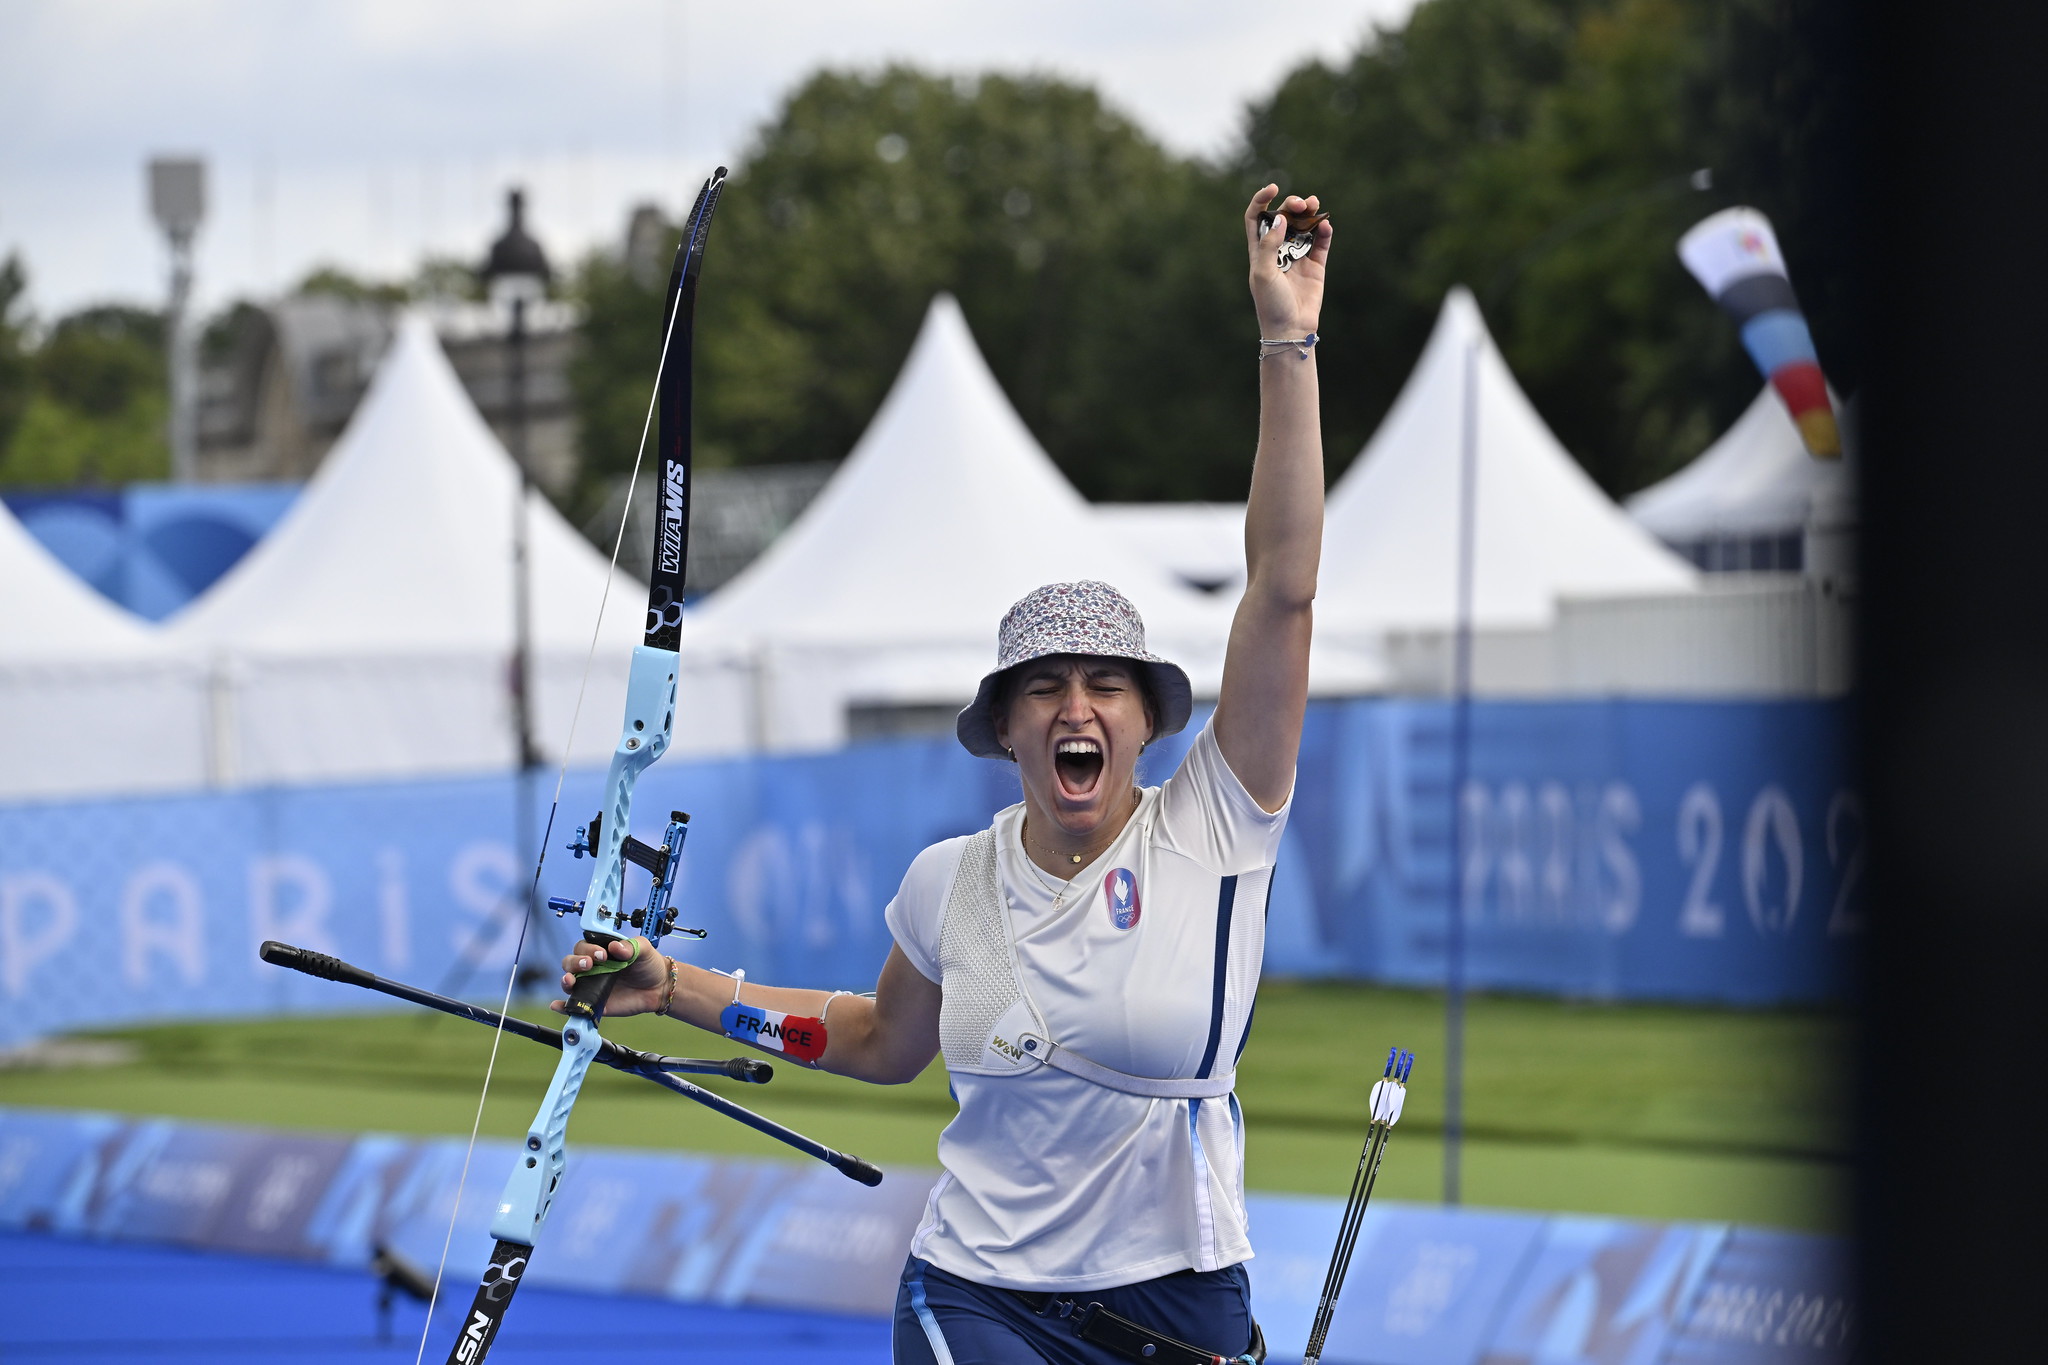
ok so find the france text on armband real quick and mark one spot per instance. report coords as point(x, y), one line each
point(796, 1035)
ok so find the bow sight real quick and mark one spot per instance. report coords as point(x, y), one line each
point(658, 917)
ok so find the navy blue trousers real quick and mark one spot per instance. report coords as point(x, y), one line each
point(942, 1319)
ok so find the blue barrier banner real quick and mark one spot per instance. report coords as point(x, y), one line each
point(1601, 1291)
point(1770, 1298)
point(1293, 1235)
point(721, 1230)
point(1615, 849)
point(1638, 849)
point(1428, 1286)
point(1425, 1283)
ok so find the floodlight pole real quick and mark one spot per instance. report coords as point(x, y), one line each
point(177, 200)
point(184, 369)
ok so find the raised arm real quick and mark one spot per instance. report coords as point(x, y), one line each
point(1265, 673)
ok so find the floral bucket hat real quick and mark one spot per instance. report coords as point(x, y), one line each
point(1073, 618)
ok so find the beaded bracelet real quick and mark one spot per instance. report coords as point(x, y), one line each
point(668, 997)
point(1279, 344)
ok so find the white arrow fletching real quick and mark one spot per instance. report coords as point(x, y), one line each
point(1387, 1099)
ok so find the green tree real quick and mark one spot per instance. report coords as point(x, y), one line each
point(97, 410)
point(1069, 237)
point(16, 381)
point(1539, 151)
point(1575, 224)
point(1536, 150)
point(1779, 101)
point(1385, 140)
point(338, 283)
point(1569, 232)
point(611, 373)
point(445, 277)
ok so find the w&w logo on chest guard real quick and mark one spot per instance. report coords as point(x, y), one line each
point(1121, 887)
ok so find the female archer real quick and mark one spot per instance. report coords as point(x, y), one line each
point(1087, 964)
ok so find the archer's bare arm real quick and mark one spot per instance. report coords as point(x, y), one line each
point(888, 1040)
point(1265, 673)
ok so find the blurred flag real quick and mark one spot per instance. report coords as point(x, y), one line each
point(1735, 255)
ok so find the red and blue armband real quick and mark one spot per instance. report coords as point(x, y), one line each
point(793, 1034)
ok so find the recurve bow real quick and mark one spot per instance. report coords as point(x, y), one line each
point(522, 1207)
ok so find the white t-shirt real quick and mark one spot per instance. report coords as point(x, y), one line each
point(1146, 962)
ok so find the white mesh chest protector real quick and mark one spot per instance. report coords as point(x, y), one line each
point(988, 1025)
point(977, 965)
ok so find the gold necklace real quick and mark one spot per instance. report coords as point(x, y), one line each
point(1024, 837)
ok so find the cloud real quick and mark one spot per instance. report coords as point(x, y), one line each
point(369, 132)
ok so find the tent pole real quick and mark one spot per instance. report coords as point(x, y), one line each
point(1461, 752)
point(522, 627)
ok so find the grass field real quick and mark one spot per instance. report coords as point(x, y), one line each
point(1646, 1111)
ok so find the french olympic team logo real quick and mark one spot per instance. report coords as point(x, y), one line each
point(1122, 889)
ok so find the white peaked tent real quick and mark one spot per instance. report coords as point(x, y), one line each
point(1200, 543)
point(370, 634)
point(888, 590)
point(92, 700)
point(1542, 528)
point(1757, 480)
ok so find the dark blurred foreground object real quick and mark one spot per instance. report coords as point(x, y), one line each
point(1955, 722)
point(395, 1276)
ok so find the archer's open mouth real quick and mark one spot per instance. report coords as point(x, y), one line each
point(1078, 763)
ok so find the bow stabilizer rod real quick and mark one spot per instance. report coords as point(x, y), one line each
point(661, 1070)
point(611, 1054)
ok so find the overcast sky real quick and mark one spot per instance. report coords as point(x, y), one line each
point(369, 132)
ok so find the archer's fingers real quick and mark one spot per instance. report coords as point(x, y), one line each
point(1252, 211)
point(1319, 252)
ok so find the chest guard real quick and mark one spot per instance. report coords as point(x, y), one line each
point(988, 1025)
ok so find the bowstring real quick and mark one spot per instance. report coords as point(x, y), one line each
point(554, 805)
